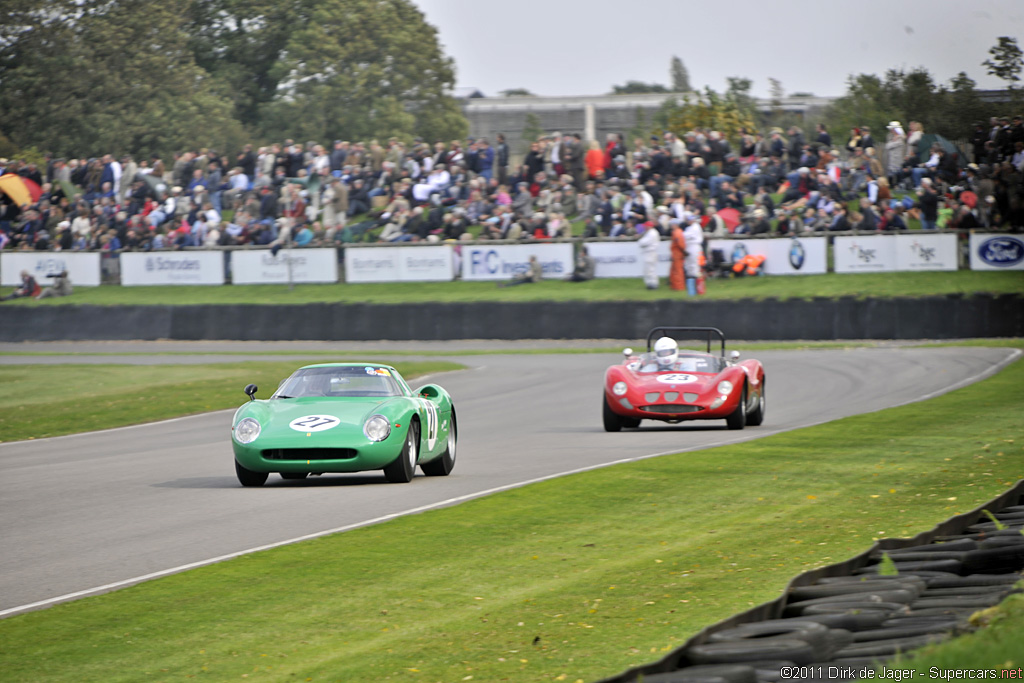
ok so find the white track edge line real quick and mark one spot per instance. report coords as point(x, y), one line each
point(446, 503)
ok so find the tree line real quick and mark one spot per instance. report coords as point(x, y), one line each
point(133, 76)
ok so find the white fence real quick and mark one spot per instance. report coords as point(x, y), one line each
point(908, 251)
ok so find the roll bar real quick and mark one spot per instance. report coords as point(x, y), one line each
point(709, 331)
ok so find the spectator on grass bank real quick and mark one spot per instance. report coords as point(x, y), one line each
point(533, 273)
point(61, 286)
point(28, 287)
point(585, 267)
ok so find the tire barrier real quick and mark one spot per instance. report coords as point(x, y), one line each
point(946, 317)
point(832, 622)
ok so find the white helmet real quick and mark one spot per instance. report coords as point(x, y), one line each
point(667, 351)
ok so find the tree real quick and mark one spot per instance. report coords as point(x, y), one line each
point(87, 77)
point(958, 107)
point(738, 93)
point(679, 75)
point(637, 87)
point(531, 131)
point(517, 92)
point(361, 69)
point(707, 110)
point(1006, 61)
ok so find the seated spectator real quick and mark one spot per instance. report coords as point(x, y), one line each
point(28, 287)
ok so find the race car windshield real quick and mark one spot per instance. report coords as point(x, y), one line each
point(685, 363)
point(336, 382)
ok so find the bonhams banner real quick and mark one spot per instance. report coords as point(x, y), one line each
point(257, 267)
point(399, 264)
point(172, 268)
point(623, 259)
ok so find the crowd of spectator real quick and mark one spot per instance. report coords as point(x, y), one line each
point(772, 182)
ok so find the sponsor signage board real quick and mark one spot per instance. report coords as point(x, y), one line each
point(783, 255)
point(997, 252)
point(83, 267)
point(399, 264)
point(257, 267)
point(505, 261)
point(624, 259)
point(172, 268)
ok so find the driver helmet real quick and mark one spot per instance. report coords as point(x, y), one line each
point(666, 350)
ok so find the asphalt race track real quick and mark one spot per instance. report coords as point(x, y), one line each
point(89, 513)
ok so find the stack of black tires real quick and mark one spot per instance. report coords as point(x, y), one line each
point(839, 626)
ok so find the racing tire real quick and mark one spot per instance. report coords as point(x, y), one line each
point(738, 418)
point(630, 422)
point(247, 477)
point(294, 475)
point(756, 417)
point(612, 422)
point(402, 469)
point(443, 465)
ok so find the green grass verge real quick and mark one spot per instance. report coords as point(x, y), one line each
point(567, 580)
point(861, 285)
point(996, 646)
point(52, 400)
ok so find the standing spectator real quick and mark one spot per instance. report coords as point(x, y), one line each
point(823, 139)
point(694, 249)
point(676, 276)
point(895, 151)
point(648, 242)
point(501, 159)
point(928, 203)
point(485, 159)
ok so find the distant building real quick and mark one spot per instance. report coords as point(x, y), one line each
point(593, 117)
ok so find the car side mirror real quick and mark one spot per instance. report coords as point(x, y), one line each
point(627, 352)
point(734, 355)
point(250, 389)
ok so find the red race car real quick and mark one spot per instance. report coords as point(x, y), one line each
point(673, 385)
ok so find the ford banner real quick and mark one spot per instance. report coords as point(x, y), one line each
point(997, 252)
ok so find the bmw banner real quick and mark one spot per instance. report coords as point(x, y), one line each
point(782, 256)
point(997, 252)
point(172, 268)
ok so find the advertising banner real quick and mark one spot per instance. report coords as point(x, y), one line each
point(172, 268)
point(504, 261)
point(623, 259)
point(925, 251)
point(782, 256)
point(997, 252)
point(865, 254)
point(258, 267)
point(83, 267)
point(399, 264)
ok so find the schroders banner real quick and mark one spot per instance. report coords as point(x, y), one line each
point(997, 252)
point(505, 261)
point(83, 267)
point(623, 259)
point(172, 268)
point(258, 267)
point(399, 264)
point(782, 256)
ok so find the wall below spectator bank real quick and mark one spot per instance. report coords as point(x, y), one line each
point(951, 317)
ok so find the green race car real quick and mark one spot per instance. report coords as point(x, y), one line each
point(344, 417)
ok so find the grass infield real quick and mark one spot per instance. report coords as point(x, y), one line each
point(865, 285)
point(35, 402)
point(573, 579)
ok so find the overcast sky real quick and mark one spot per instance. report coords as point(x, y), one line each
point(584, 47)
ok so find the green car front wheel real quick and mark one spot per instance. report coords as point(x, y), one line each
point(402, 469)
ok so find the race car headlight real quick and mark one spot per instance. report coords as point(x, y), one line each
point(619, 388)
point(725, 387)
point(377, 428)
point(247, 430)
